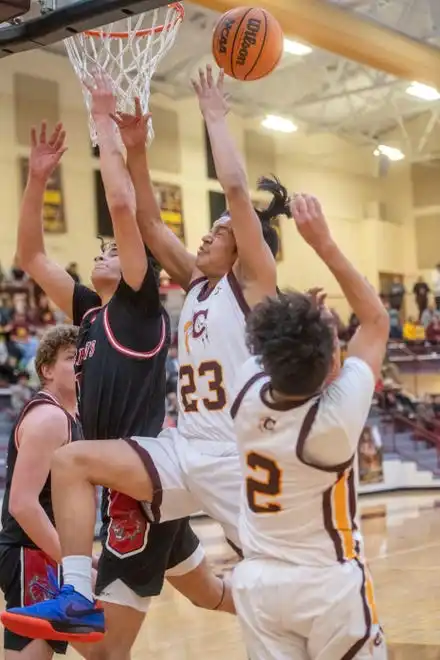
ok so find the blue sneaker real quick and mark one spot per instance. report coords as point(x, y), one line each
point(68, 617)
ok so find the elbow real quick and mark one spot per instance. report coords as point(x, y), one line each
point(18, 507)
point(120, 205)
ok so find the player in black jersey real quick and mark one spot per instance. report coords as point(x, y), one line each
point(29, 543)
point(120, 366)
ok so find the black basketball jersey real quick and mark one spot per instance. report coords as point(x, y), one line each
point(120, 360)
point(12, 533)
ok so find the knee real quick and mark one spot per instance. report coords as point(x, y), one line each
point(69, 459)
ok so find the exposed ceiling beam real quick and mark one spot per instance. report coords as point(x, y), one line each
point(345, 33)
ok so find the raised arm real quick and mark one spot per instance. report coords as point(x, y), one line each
point(256, 260)
point(44, 157)
point(163, 243)
point(117, 185)
point(370, 341)
point(42, 431)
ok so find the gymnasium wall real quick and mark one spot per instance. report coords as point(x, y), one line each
point(371, 217)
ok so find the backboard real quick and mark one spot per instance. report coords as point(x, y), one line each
point(50, 21)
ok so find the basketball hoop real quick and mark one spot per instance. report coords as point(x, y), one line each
point(129, 52)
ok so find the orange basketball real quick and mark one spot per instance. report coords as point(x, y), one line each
point(247, 43)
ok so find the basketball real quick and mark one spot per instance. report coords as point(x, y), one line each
point(247, 43)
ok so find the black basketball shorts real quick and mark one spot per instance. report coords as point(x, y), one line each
point(137, 556)
point(24, 581)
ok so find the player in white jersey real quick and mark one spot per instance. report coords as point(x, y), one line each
point(303, 591)
point(195, 467)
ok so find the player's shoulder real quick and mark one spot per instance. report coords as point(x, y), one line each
point(43, 418)
point(250, 373)
point(355, 375)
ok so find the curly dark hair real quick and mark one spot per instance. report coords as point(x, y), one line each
point(294, 341)
point(278, 206)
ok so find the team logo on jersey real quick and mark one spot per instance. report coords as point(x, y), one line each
point(85, 353)
point(197, 328)
point(267, 424)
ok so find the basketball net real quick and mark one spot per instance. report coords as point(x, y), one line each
point(129, 52)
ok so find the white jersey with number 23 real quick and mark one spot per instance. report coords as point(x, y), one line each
point(212, 349)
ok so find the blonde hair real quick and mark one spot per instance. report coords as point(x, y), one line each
point(58, 337)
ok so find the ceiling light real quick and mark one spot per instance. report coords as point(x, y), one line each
point(423, 92)
point(390, 152)
point(279, 124)
point(296, 48)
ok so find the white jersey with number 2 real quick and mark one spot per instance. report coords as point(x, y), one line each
point(212, 349)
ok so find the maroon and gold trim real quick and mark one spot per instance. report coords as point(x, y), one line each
point(281, 406)
point(195, 282)
point(357, 646)
point(338, 516)
point(242, 393)
point(153, 474)
point(238, 293)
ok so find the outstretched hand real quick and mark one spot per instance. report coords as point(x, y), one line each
point(103, 95)
point(133, 128)
point(310, 220)
point(46, 153)
point(212, 98)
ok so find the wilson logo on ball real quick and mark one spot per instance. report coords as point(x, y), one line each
point(224, 36)
point(249, 40)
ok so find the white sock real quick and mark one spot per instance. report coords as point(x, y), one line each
point(77, 571)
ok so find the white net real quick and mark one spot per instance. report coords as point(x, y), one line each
point(129, 52)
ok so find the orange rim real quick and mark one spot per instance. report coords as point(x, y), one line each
point(140, 33)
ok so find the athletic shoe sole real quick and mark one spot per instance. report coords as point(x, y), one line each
point(34, 628)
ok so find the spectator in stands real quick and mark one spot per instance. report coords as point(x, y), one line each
point(433, 331)
point(72, 269)
point(17, 275)
point(21, 393)
point(23, 336)
point(44, 315)
point(395, 297)
point(421, 291)
point(395, 322)
point(390, 371)
point(436, 286)
point(428, 316)
point(6, 313)
point(413, 331)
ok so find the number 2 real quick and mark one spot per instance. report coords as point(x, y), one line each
point(189, 388)
point(268, 488)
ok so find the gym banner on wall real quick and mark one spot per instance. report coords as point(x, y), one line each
point(54, 217)
point(169, 198)
point(370, 456)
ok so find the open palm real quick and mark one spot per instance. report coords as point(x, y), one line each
point(46, 153)
point(210, 92)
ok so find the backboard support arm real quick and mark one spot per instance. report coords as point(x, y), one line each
point(60, 24)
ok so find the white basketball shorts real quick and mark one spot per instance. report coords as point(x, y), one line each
point(191, 477)
point(290, 612)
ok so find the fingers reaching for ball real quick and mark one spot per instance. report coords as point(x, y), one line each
point(310, 220)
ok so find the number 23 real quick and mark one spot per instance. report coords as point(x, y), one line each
point(189, 388)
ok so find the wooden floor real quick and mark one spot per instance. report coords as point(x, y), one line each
point(402, 534)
